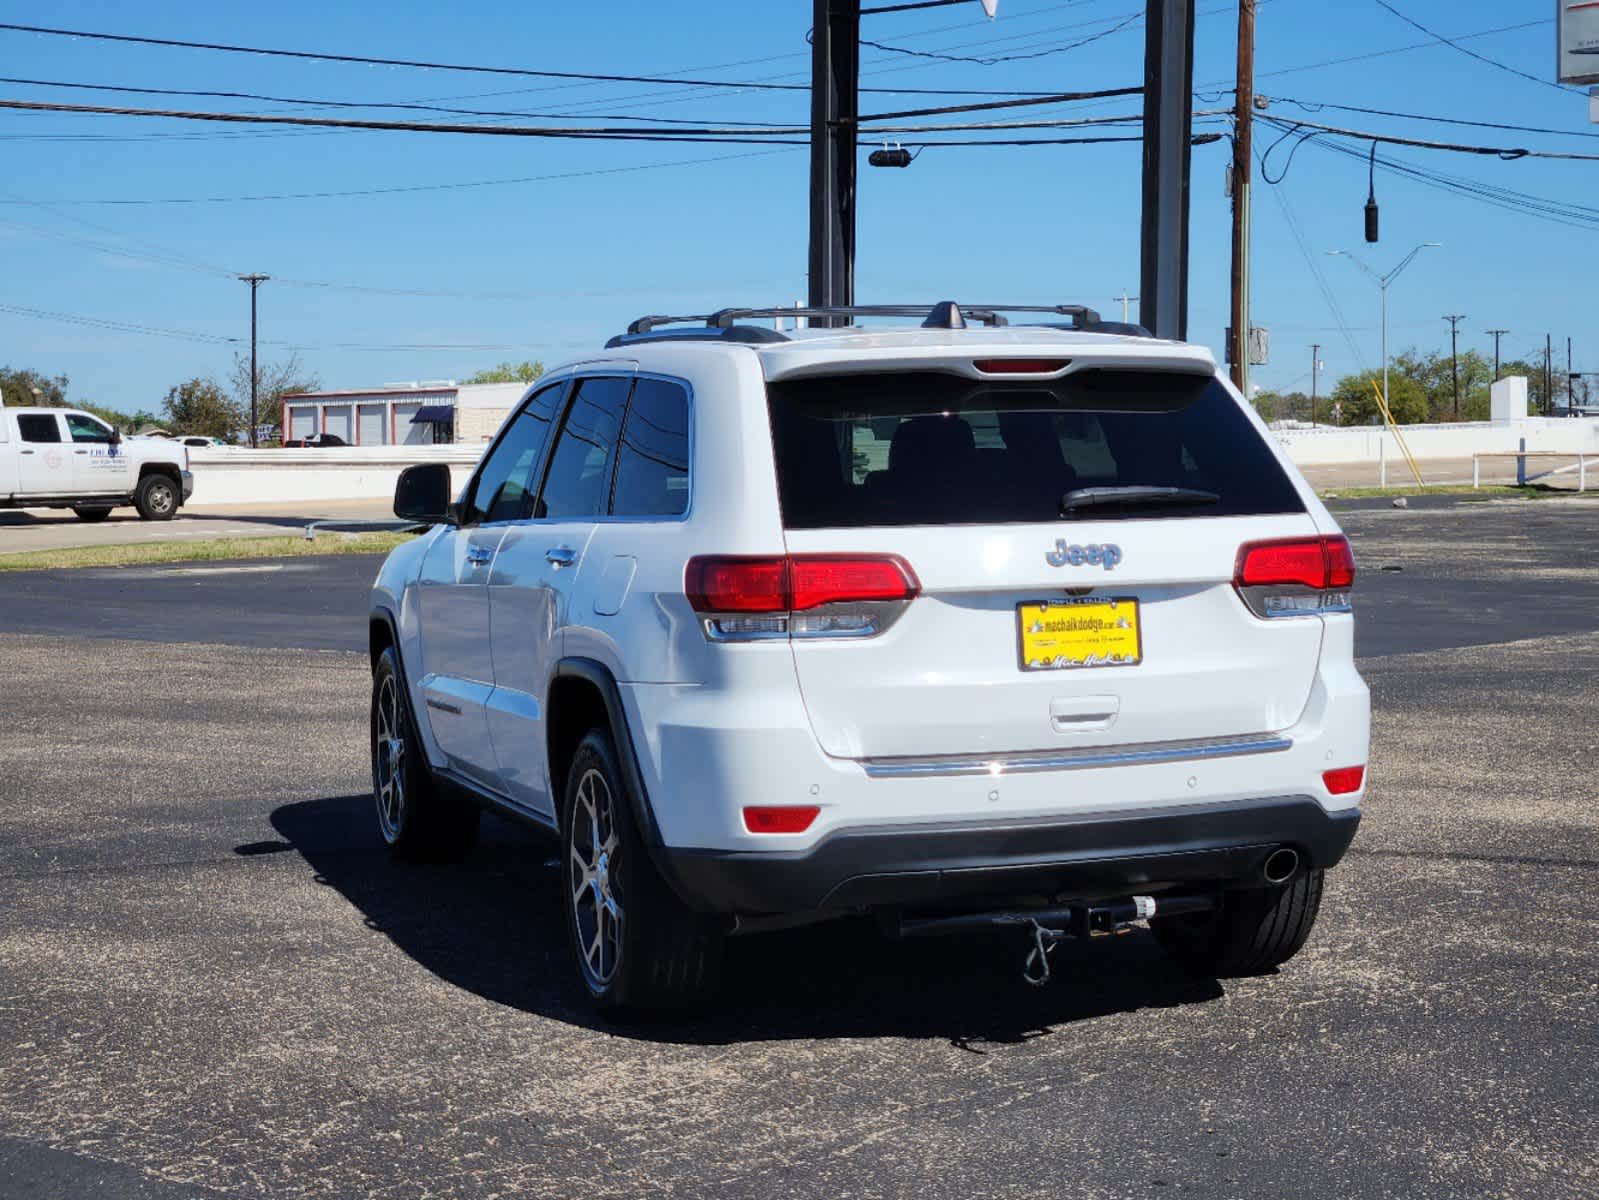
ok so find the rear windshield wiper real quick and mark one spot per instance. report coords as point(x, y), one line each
point(1133, 495)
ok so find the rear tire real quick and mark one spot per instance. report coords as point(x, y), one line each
point(417, 819)
point(156, 498)
point(1255, 929)
point(640, 951)
point(91, 515)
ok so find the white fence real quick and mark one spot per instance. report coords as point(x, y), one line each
point(369, 472)
point(339, 473)
point(1369, 444)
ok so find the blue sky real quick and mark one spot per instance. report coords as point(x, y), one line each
point(550, 267)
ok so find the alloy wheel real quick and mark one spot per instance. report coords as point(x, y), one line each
point(388, 760)
point(592, 845)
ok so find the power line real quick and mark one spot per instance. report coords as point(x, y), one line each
point(219, 339)
point(1470, 53)
point(1318, 105)
point(589, 133)
point(991, 60)
point(1292, 125)
point(1371, 54)
point(770, 136)
point(409, 106)
point(470, 68)
point(117, 326)
point(400, 189)
point(1565, 213)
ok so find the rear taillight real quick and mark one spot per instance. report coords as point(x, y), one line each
point(798, 595)
point(1295, 577)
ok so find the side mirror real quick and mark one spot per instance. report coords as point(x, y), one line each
point(116, 437)
point(422, 494)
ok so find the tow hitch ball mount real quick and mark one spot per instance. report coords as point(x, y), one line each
point(1048, 927)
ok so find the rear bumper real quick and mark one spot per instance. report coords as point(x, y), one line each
point(1079, 857)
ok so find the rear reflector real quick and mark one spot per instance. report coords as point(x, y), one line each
point(1318, 562)
point(780, 818)
point(1021, 366)
point(1340, 781)
point(795, 583)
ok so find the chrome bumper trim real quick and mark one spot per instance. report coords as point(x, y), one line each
point(1083, 759)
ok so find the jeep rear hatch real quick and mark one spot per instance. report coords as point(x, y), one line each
point(1071, 537)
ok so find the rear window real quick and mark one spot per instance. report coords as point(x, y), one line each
point(935, 448)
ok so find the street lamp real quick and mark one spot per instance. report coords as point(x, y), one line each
point(1382, 283)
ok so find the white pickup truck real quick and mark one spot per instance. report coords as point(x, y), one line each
point(61, 458)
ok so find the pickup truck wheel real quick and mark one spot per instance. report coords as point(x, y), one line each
point(1255, 929)
point(92, 515)
point(418, 820)
point(639, 949)
point(156, 498)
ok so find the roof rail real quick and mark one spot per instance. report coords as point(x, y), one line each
point(946, 314)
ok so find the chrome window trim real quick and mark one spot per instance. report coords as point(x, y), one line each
point(1085, 758)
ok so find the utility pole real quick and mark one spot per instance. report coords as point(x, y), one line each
point(1168, 133)
point(1126, 302)
point(255, 281)
point(1243, 149)
point(1498, 333)
point(1315, 371)
point(1454, 320)
point(835, 105)
point(1548, 379)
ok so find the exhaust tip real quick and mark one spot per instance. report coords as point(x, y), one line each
point(1281, 865)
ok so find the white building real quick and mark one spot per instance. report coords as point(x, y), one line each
point(399, 414)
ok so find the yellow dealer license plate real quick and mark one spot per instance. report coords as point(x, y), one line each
point(1090, 632)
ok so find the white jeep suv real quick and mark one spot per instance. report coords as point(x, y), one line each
point(957, 623)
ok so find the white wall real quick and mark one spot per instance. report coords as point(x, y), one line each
point(1315, 447)
point(340, 473)
point(369, 472)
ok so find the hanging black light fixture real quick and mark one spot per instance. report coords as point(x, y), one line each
point(1371, 197)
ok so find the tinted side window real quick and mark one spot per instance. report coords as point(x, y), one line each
point(39, 427)
point(578, 482)
point(86, 429)
point(652, 462)
point(505, 484)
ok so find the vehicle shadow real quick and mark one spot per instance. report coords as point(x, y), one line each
point(494, 926)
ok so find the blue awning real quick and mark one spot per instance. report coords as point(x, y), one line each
point(434, 414)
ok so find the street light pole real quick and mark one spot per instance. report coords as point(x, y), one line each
point(1315, 371)
point(255, 281)
point(1382, 284)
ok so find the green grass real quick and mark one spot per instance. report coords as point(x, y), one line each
point(1486, 492)
point(141, 553)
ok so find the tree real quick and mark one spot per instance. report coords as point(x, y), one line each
point(523, 372)
point(1434, 373)
point(22, 388)
point(200, 406)
point(1356, 399)
point(273, 381)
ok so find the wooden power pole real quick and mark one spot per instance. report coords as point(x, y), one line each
point(1454, 320)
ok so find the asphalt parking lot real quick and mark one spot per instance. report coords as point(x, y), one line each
point(214, 983)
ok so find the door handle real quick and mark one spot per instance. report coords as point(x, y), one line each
point(27, 451)
point(479, 556)
point(560, 556)
point(80, 452)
